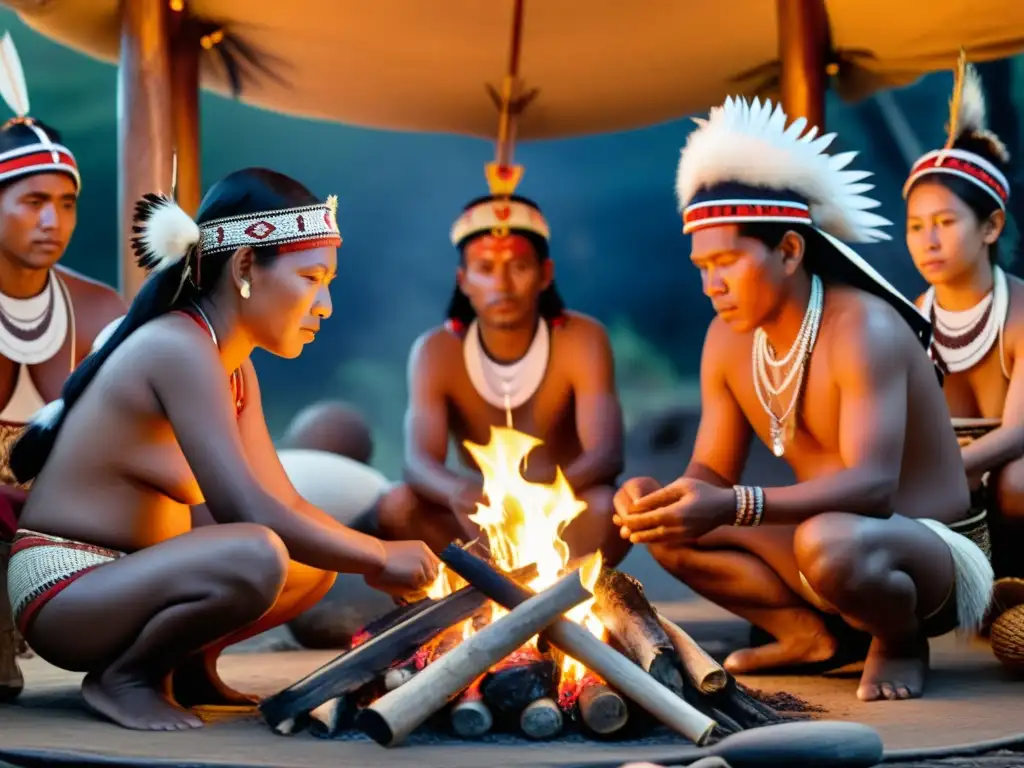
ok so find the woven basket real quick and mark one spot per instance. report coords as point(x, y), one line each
point(1007, 631)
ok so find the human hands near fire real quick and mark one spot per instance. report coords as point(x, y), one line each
point(409, 567)
point(683, 510)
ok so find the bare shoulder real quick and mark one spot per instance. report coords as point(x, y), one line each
point(723, 346)
point(580, 330)
point(1015, 317)
point(433, 352)
point(860, 328)
point(169, 342)
point(99, 298)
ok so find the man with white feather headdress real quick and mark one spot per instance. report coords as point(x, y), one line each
point(49, 316)
point(957, 233)
point(815, 353)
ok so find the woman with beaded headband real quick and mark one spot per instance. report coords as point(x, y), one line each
point(49, 315)
point(819, 356)
point(105, 540)
point(956, 233)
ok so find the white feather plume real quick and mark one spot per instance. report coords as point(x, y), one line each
point(164, 233)
point(749, 143)
point(47, 416)
point(971, 109)
point(12, 77)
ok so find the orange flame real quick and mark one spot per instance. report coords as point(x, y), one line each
point(523, 523)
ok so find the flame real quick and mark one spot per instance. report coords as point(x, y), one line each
point(523, 523)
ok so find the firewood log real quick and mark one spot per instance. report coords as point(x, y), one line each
point(703, 672)
point(576, 641)
point(541, 719)
point(517, 681)
point(331, 717)
point(602, 710)
point(630, 618)
point(391, 718)
point(470, 716)
point(369, 659)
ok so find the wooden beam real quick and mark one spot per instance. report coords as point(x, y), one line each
point(144, 120)
point(803, 50)
point(185, 49)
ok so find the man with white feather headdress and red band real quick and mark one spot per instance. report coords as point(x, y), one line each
point(49, 315)
point(957, 219)
point(815, 353)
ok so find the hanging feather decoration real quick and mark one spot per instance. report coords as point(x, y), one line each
point(164, 233)
point(12, 78)
point(967, 110)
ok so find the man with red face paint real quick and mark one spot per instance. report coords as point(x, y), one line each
point(49, 316)
point(509, 353)
point(822, 359)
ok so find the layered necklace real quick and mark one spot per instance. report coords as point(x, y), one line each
point(33, 330)
point(506, 386)
point(961, 339)
point(766, 367)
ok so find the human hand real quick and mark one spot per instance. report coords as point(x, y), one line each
point(631, 491)
point(409, 568)
point(683, 510)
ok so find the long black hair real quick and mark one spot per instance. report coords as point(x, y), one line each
point(982, 204)
point(247, 191)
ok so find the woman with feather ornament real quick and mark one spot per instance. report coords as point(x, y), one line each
point(106, 539)
point(956, 232)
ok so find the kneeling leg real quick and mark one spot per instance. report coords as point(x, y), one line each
point(883, 576)
point(128, 623)
point(404, 515)
point(196, 682)
point(753, 574)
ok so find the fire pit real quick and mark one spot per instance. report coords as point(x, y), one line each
point(515, 640)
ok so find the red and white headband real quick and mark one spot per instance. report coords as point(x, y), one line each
point(499, 216)
point(42, 155)
point(965, 165)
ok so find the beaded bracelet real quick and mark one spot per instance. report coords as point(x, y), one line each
point(749, 505)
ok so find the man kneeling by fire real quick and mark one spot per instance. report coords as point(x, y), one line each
point(878, 529)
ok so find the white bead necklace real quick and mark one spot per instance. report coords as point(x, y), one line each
point(763, 356)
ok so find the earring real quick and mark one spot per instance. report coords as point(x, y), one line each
point(245, 290)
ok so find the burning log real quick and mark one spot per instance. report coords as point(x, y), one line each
point(392, 717)
point(331, 717)
point(630, 618)
point(601, 709)
point(703, 672)
point(517, 681)
point(542, 719)
point(365, 662)
point(576, 641)
point(399, 676)
point(471, 717)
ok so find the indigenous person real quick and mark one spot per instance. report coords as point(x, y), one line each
point(49, 316)
point(817, 355)
point(956, 229)
point(510, 354)
point(105, 539)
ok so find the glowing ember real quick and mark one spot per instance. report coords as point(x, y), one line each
point(523, 523)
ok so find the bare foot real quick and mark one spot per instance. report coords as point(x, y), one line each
point(196, 683)
point(802, 640)
point(894, 671)
point(134, 703)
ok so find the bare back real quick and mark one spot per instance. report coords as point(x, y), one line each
point(117, 476)
point(982, 390)
point(931, 482)
point(550, 414)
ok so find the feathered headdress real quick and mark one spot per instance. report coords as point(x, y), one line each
point(967, 122)
point(27, 147)
point(743, 164)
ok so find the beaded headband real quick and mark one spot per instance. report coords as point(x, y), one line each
point(966, 115)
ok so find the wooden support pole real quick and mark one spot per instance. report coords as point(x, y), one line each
point(145, 137)
point(803, 50)
point(185, 49)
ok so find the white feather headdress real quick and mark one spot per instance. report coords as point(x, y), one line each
point(12, 78)
point(749, 144)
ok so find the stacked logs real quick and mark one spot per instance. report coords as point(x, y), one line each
point(420, 665)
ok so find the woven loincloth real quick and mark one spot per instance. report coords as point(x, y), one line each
point(42, 565)
point(970, 545)
point(9, 434)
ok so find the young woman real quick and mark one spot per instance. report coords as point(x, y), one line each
point(956, 223)
point(107, 575)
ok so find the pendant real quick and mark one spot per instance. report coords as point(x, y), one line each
point(778, 448)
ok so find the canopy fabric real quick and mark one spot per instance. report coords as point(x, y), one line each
point(600, 65)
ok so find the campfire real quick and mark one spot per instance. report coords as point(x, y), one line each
point(513, 637)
